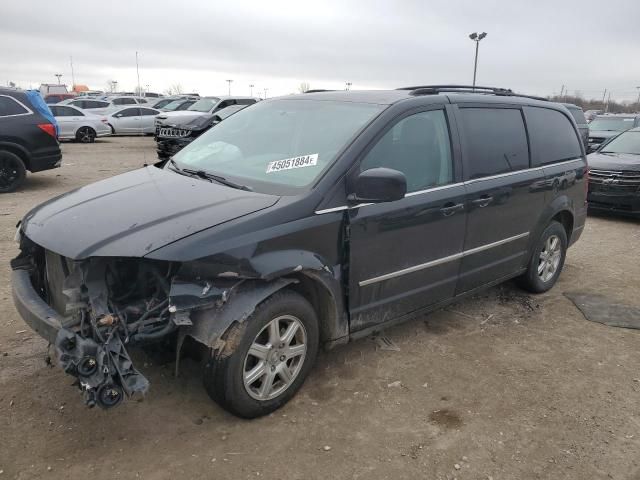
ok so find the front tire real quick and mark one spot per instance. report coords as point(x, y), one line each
point(12, 172)
point(266, 358)
point(547, 260)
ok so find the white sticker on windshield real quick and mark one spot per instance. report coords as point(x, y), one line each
point(290, 163)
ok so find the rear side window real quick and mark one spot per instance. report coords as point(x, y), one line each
point(129, 112)
point(496, 141)
point(245, 101)
point(417, 146)
point(148, 111)
point(95, 104)
point(553, 138)
point(8, 106)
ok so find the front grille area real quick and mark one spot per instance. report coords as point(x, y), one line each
point(170, 132)
point(622, 181)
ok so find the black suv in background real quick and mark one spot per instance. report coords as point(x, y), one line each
point(28, 137)
point(302, 221)
point(171, 138)
point(603, 127)
point(614, 175)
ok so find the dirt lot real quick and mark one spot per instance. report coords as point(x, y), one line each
point(501, 386)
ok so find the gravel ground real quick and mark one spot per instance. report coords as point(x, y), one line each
point(504, 385)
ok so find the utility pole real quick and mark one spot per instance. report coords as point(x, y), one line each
point(58, 75)
point(138, 73)
point(476, 38)
point(145, 92)
point(229, 82)
point(638, 98)
point(561, 91)
point(603, 97)
point(73, 76)
point(251, 87)
point(606, 108)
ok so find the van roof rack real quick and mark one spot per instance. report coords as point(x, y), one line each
point(435, 89)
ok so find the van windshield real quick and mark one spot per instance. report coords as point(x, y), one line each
point(278, 146)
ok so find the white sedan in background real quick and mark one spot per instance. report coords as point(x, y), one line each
point(132, 120)
point(75, 124)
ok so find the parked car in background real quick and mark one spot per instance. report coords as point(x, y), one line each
point(271, 235)
point(50, 88)
point(177, 105)
point(82, 126)
point(583, 126)
point(173, 138)
point(204, 106)
point(53, 98)
point(152, 95)
point(160, 103)
point(132, 120)
point(591, 114)
point(28, 137)
point(603, 127)
point(94, 105)
point(614, 175)
point(115, 102)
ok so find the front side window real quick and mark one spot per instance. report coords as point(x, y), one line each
point(495, 139)
point(147, 112)
point(8, 106)
point(124, 101)
point(278, 146)
point(418, 146)
point(129, 112)
point(553, 137)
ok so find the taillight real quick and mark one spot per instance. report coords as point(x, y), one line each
point(48, 128)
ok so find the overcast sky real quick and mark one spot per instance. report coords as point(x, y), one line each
point(532, 47)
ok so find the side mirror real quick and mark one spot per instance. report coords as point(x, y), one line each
point(378, 185)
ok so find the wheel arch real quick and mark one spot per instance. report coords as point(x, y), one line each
point(559, 210)
point(17, 150)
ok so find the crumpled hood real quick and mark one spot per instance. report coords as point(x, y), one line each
point(614, 161)
point(133, 214)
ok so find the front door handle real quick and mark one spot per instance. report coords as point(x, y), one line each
point(451, 208)
point(483, 201)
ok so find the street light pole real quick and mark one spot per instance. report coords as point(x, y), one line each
point(347, 85)
point(58, 75)
point(638, 98)
point(138, 74)
point(229, 82)
point(251, 87)
point(476, 37)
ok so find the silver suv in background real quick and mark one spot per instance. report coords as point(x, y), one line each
point(204, 106)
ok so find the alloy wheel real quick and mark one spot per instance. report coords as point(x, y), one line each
point(549, 259)
point(275, 358)
point(9, 172)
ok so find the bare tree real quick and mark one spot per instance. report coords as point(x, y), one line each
point(175, 89)
point(304, 87)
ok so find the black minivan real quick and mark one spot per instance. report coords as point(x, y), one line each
point(302, 221)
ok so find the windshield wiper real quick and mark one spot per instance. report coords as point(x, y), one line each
point(217, 178)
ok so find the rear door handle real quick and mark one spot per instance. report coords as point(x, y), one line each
point(483, 201)
point(451, 208)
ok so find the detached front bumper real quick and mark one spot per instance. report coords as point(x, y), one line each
point(32, 308)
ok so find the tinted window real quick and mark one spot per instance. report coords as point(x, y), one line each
point(61, 111)
point(148, 111)
point(52, 99)
point(245, 101)
point(8, 106)
point(496, 141)
point(129, 112)
point(142, 100)
point(578, 115)
point(95, 104)
point(124, 101)
point(553, 138)
point(419, 147)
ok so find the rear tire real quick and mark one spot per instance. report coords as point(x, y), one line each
point(86, 135)
point(266, 358)
point(547, 260)
point(12, 172)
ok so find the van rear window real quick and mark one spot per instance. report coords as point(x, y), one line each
point(553, 137)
